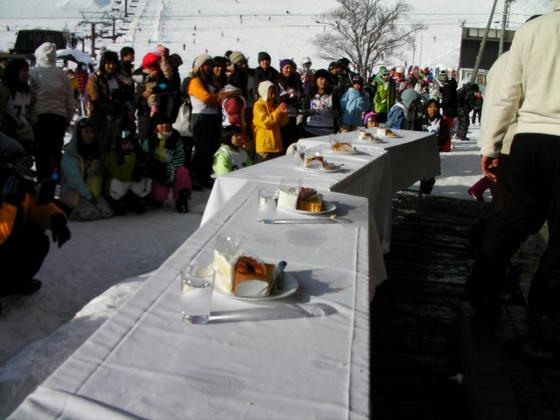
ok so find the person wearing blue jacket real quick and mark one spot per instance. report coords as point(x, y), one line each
point(399, 114)
point(354, 103)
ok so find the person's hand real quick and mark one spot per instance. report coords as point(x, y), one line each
point(59, 230)
point(283, 107)
point(489, 165)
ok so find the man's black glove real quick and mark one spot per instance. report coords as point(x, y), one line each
point(60, 232)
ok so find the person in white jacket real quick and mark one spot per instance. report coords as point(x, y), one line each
point(54, 109)
point(527, 169)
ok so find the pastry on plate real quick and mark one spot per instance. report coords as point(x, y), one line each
point(252, 278)
point(364, 135)
point(313, 160)
point(343, 147)
point(385, 132)
point(309, 200)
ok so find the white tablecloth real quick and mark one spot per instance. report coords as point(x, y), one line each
point(412, 156)
point(377, 172)
point(306, 356)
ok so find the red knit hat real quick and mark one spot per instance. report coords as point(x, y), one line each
point(151, 61)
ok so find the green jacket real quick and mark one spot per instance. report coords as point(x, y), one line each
point(384, 96)
point(121, 168)
point(227, 159)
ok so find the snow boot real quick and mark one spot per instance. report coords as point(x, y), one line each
point(118, 206)
point(427, 185)
point(136, 204)
point(182, 203)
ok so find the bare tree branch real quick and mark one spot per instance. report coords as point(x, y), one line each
point(366, 32)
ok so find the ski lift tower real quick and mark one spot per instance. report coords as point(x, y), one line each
point(94, 20)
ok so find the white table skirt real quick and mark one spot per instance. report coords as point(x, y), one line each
point(306, 356)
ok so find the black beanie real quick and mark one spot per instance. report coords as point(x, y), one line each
point(263, 55)
point(160, 118)
point(322, 73)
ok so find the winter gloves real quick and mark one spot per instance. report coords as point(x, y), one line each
point(60, 232)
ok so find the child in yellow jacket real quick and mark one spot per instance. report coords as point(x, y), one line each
point(268, 118)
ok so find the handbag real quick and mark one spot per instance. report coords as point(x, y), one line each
point(183, 121)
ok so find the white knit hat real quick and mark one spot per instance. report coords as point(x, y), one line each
point(263, 89)
point(200, 60)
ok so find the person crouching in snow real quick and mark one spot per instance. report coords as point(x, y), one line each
point(82, 175)
point(127, 188)
point(166, 147)
point(26, 211)
point(401, 114)
point(231, 155)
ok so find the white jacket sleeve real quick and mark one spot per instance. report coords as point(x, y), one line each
point(500, 104)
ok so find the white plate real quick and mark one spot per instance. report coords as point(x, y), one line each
point(366, 138)
point(368, 141)
point(290, 286)
point(327, 205)
point(336, 152)
point(396, 136)
point(321, 170)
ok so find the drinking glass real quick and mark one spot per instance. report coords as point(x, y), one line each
point(300, 151)
point(266, 203)
point(197, 283)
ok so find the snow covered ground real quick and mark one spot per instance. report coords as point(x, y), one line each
point(103, 264)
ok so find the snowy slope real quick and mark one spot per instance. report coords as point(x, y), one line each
point(285, 29)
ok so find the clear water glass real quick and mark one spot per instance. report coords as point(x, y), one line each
point(266, 204)
point(197, 283)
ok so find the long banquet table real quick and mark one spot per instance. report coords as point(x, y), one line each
point(304, 356)
point(376, 172)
